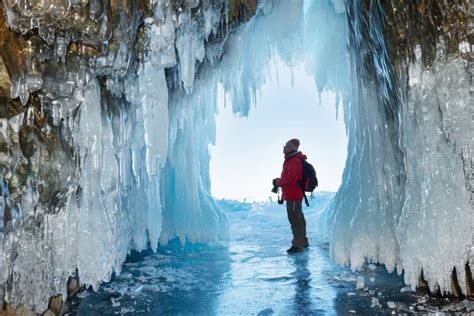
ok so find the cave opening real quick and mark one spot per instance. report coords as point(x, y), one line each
point(247, 153)
point(104, 150)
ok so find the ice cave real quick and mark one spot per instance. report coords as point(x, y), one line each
point(108, 110)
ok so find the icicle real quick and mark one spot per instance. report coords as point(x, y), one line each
point(56, 112)
point(15, 122)
point(4, 128)
point(30, 116)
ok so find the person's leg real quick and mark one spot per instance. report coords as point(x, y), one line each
point(298, 224)
point(303, 220)
point(290, 205)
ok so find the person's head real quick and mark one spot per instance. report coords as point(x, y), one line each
point(291, 146)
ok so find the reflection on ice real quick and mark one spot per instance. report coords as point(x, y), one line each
point(302, 299)
point(253, 275)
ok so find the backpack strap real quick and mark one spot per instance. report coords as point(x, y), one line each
point(301, 185)
point(304, 194)
point(305, 199)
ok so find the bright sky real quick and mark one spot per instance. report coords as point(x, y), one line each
point(248, 151)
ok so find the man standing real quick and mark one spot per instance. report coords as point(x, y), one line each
point(293, 194)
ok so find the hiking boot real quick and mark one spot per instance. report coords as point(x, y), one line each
point(294, 249)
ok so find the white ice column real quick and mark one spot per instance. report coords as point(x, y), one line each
point(436, 229)
point(98, 182)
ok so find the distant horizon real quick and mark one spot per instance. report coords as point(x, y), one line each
point(316, 193)
point(248, 150)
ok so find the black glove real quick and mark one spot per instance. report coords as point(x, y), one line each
point(274, 182)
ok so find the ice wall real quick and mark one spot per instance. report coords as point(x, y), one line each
point(110, 173)
point(111, 153)
point(406, 197)
point(437, 217)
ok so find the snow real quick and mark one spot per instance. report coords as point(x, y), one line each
point(360, 283)
point(375, 302)
point(346, 277)
point(405, 289)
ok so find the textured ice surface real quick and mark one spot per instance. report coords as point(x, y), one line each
point(119, 135)
point(405, 199)
point(436, 217)
point(253, 275)
point(139, 173)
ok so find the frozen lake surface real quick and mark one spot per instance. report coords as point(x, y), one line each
point(253, 275)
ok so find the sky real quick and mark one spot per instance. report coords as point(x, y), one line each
point(248, 153)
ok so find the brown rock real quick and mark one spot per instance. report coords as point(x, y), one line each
point(455, 288)
point(55, 304)
point(8, 310)
point(72, 285)
point(422, 282)
point(469, 282)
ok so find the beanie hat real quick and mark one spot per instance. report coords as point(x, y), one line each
point(293, 144)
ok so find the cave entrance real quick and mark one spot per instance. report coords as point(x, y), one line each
point(247, 154)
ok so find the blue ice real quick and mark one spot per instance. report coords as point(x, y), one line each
point(251, 275)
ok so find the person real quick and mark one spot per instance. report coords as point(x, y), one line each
point(293, 194)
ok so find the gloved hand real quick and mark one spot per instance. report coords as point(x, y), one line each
point(274, 182)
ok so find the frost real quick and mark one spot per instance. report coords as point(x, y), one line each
point(4, 128)
point(375, 302)
point(115, 303)
point(346, 277)
point(405, 289)
point(360, 283)
point(15, 122)
point(464, 47)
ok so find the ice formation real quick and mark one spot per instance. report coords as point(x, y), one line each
point(406, 200)
point(82, 205)
point(111, 153)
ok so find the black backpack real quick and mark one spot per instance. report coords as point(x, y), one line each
point(309, 181)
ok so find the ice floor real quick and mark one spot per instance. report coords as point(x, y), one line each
point(253, 275)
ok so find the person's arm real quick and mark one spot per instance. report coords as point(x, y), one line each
point(291, 175)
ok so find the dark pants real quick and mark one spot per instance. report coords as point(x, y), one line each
point(298, 223)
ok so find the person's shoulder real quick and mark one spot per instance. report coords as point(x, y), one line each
point(301, 156)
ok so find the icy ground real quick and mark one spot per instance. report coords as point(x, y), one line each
point(253, 275)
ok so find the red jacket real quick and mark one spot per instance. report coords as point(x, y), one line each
point(291, 174)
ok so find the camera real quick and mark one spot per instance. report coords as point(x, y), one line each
point(275, 190)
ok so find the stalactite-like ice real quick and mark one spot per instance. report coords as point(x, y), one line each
point(405, 200)
point(404, 186)
point(139, 117)
point(109, 185)
point(436, 136)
